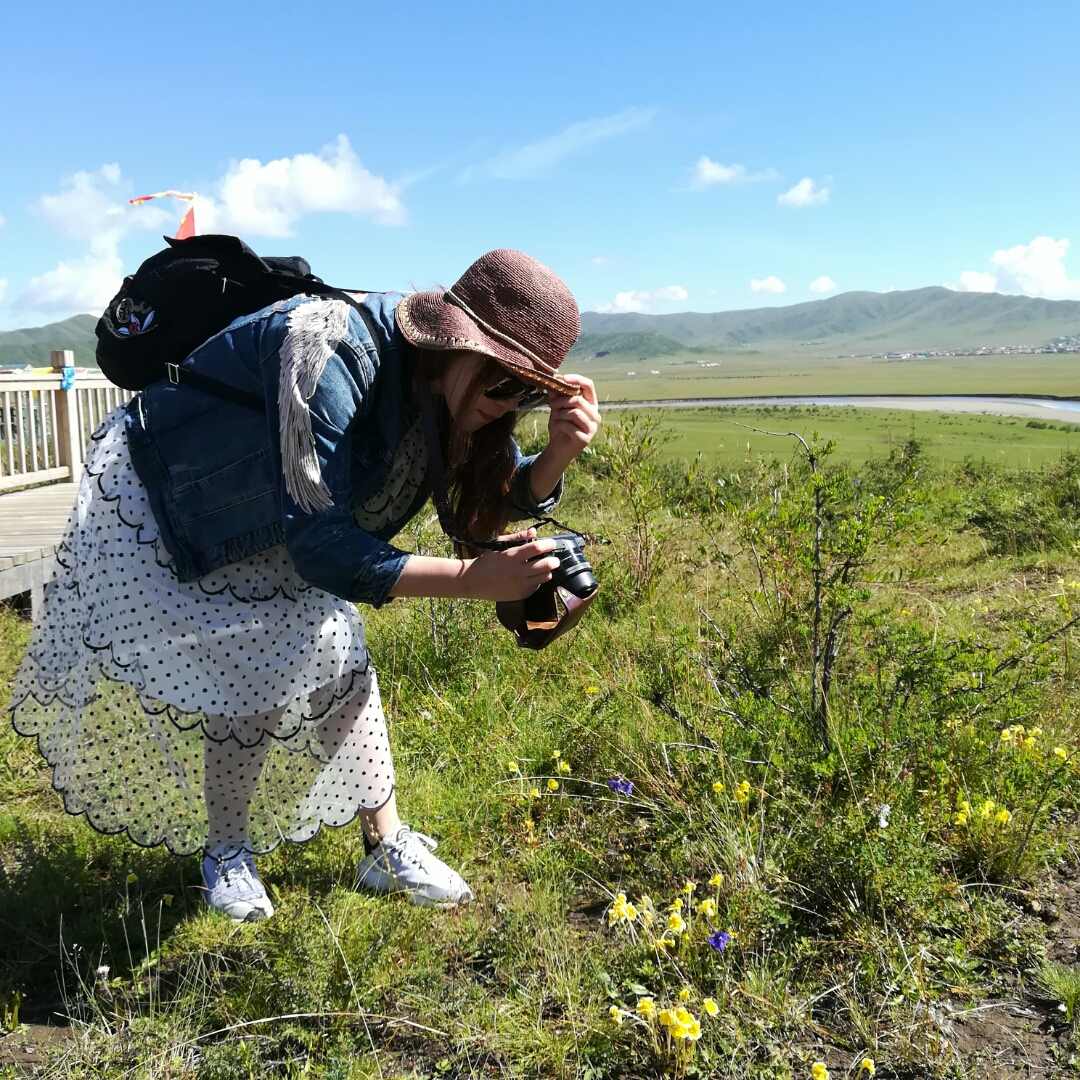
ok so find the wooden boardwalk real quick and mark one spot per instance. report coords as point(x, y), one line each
point(32, 524)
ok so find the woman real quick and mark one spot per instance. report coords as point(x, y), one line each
point(198, 675)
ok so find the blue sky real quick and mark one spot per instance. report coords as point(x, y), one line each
point(659, 157)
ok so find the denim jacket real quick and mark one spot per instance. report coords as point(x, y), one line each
point(214, 470)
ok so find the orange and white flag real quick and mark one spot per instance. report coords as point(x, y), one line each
point(187, 225)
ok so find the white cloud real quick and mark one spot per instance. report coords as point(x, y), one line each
point(640, 300)
point(1035, 269)
point(804, 193)
point(708, 172)
point(770, 284)
point(91, 208)
point(3, 288)
point(85, 284)
point(253, 199)
point(975, 281)
point(535, 159)
point(601, 260)
point(1, 221)
point(822, 284)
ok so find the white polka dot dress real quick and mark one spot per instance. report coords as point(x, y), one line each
point(248, 692)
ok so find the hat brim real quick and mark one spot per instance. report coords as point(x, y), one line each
point(429, 322)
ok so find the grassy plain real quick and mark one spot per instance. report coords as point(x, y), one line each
point(862, 434)
point(882, 867)
point(752, 372)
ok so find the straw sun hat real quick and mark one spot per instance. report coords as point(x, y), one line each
point(507, 306)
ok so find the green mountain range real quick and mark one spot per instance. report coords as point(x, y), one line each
point(854, 322)
point(916, 320)
point(33, 345)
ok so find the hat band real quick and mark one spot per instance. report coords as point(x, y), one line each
point(505, 338)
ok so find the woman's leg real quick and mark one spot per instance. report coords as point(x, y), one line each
point(356, 747)
point(230, 772)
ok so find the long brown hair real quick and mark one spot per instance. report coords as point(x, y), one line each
point(479, 464)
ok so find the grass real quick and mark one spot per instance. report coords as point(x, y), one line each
point(863, 434)
point(693, 679)
point(753, 372)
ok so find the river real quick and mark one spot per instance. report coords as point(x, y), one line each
point(1036, 407)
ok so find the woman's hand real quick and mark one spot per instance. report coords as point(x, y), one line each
point(572, 425)
point(513, 574)
point(495, 575)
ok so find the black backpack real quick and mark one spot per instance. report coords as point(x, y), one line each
point(182, 296)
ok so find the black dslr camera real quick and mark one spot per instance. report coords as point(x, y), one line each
point(558, 604)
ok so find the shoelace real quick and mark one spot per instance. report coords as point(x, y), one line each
point(237, 874)
point(403, 848)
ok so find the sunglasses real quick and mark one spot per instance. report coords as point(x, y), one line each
point(529, 394)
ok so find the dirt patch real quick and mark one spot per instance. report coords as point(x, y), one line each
point(26, 1048)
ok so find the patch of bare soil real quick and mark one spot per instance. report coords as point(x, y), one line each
point(26, 1047)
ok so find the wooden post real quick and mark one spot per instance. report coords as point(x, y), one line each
point(68, 443)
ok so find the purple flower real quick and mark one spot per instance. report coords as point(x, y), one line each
point(718, 939)
point(621, 786)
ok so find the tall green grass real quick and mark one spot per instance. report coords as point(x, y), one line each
point(814, 749)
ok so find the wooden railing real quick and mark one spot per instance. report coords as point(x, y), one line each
point(44, 428)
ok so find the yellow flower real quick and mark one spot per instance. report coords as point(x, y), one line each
point(592, 689)
point(1029, 742)
point(511, 766)
point(564, 767)
point(904, 611)
point(961, 819)
point(646, 1007)
point(665, 942)
point(1035, 732)
point(676, 904)
point(683, 1016)
point(707, 907)
point(692, 1030)
point(553, 784)
point(131, 879)
point(987, 808)
point(718, 786)
point(819, 1071)
point(742, 792)
point(667, 1017)
point(168, 898)
point(1060, 752)
point(535, 793)
point(675, 923)
point(615, 1014)
point(867, 1066)
point(717, 879)
point(1003, 817)
point(710, 1006)
point(689, 887)
point(620, 910)
point(1007, 734)
point(556, 754)
point(684, 994)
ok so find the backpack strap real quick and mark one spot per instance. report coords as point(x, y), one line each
point(180, 376)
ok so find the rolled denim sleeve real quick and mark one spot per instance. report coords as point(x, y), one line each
point(522, 503)
point(328, 548)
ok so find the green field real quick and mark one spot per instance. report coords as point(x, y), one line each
point(808, 770)
point(765, 373)
point(948, 438)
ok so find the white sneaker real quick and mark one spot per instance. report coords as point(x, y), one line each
point(403, 862)
point(233, 886)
